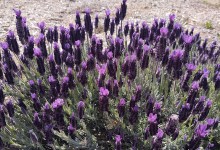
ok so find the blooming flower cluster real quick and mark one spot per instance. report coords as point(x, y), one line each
point(140, 86)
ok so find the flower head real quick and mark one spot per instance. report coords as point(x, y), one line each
point(107, 12)
point(110, 55)
point(58, 103)
point(152, 118)
point(77, 43)
point(195, 85)
point(118, 142)
point(187, 39)
point(4, 45)
point(163, 31)
point(103, 91)
point(172, 17)
point(209, 103)
point(37, 52)
point(160, 134)
point(201, 131)
point(17, 12)
point(190, 67)
point(177, 54)
point(206, 73)
point(41, 25)
point(210, 121)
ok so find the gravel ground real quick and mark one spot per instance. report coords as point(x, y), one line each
point(191, 13)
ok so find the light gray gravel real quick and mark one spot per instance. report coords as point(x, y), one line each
point(192, 13)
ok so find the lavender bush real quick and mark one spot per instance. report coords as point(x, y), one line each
point(139, 87)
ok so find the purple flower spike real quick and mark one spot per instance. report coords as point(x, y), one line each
point(150, 105)
point(172, 17)
point(205, 73)
point(96, 21)
point(210, 122)
point(87, 11)
point(50, 58)
point(162, 23)
point(103, 99)
point(37, 52)
point(112, 26)
point(184, 112)
point(32, 86)
point(209, 103)
point(190, 67)
point(200, 105)
point(103, 91)
point(24, 21)
point(107, 12)
point(157, 140)
point(34, 96)
point(51, 79)
point(37, 121)
point(122, 102)
point(78, 20)
point(58, 103)
point(145, 58)
point(107, 21)
point(17, 12)
point(121, 107)
point(87, 20)
point(160, 134)
point(187, 39)
point(73, 120)
point(47, 106)
point(31, 39)
point(195, 86)
point(163, 31)
point(152, 118)
point(205, 111)
point(138, 93)
point(41, 25)
point(118, 142)
point(81, 107)
point(31, 82)
point(78, 43)
point(117, 17)
point(11, 34)
point(71, 130)
point(201, 131)
point(157, 107)
point(84, 65)
point(123, 10)
point(65, 79)
point(115, 88)
point(110, 55)
point(177, 54)
point(134, 115)
point(146, 48)
point(4, 45)
point(36, 102)
point(172, 124)
point(22, 106)
point(12, 42)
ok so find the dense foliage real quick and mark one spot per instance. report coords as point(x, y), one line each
point(138, 86)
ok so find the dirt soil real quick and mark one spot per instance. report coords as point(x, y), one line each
point(191, 13)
